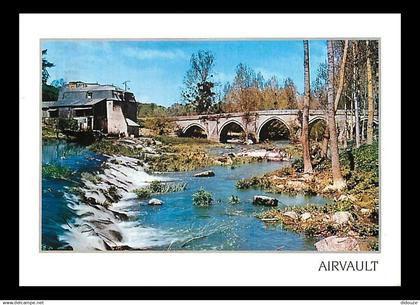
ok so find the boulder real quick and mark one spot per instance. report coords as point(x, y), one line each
point(265, 200)
point(291, 214)
point(365, 211)
point(305, 216)
point(337, 244)
point(350, 198)
point(205, 174)
point(342, 217)
point(155, 201)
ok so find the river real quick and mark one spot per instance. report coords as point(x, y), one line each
point(175, 225)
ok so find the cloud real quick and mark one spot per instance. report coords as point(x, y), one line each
point(143, 54)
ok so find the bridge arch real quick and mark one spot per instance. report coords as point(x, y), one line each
point(194, 130)
point(281, 131)
point(317, 127)
point(231, 125)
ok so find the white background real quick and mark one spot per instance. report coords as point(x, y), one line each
point(132, 269)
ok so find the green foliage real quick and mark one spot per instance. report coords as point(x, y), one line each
point(297, 164)
point(49, 93)
point(247, 183)
point(159, 187)
point(367, 158)
point(55, 171)
point(45, 65)
point(150, 110)
point(198, 91)
point(202, 198)
point(183, 140)
point(67, 124)
point(112, 194)
point(143, 193)
point(110, 148)
point(234, 199)
point(253, 182)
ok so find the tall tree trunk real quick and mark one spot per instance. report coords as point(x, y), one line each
point(371, 109)
point(307, 165)
point(327, 134)
point(339, 182)
point(356, 96)
point(346, 126)
point(325, 140)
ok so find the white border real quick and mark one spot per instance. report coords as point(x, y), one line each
point(144, 269)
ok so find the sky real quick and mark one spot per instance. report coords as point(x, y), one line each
point(156, 69)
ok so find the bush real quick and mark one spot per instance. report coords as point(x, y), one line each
point(158, 187)
point(202, 198)
point(297, 164)
point(234, 199)
point(143, 193)
point(67, 124)
point(55, 171)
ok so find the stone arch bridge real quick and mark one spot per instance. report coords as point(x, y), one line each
point(215, 126)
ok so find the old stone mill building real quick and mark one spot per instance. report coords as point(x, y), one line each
point(105, 108)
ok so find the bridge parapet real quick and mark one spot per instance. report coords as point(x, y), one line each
point(252, 122)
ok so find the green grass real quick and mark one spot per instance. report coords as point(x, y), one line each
point(159, 187)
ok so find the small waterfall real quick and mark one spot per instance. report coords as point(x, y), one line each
point(102, 204)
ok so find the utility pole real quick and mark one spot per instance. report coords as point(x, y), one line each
point(125, 84)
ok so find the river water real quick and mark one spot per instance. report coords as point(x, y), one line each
point(177, 224)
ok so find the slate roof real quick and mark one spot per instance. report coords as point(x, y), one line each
point(131, 123)
point(76, 102)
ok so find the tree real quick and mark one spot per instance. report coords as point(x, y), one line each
point(338, 181)
point(371, 105)
point(45, 65)
point(290, 91)
point(198, 85)
point(356, 94)
point(307, 165)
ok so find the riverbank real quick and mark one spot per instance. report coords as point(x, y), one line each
point(173, 154)
point(351, 214)
point(354, 212)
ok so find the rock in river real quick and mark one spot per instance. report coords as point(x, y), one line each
point(265, 200)
point(205, 174)
point(305, 216)
point(155, 201)
point(291, 214)
point(337, 244)
point(342, 217)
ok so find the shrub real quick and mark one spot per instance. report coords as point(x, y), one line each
point(158, 187)
point(143, 193)
point(202, 198)
point(67, 124)
point(234, 199)
point(297, 164)
point(55, 171)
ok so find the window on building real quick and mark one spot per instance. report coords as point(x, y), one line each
point(53, 113)
point(88, 95)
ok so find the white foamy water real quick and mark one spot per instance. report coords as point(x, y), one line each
point(98, 228)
